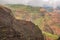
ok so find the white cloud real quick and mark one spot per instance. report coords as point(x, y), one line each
point(30, 2)
point(14, 1)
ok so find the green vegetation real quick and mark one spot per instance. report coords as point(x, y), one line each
point(38, 21)
point(50, 35)
point(25, 8)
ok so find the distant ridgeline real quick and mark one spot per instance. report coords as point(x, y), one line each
point(24, 7)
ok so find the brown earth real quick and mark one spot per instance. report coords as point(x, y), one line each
point(52, 24)
point(13, 29)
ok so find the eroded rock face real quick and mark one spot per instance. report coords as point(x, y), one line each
point(13, 29)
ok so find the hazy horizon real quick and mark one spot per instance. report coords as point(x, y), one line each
point(53, 3)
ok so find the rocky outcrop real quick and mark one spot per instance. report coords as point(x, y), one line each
point(13, 29)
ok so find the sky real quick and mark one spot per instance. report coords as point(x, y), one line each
point(31, 2)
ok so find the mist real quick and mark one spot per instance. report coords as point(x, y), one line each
point(53, 3)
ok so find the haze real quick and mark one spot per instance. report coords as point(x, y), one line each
point(31, 2)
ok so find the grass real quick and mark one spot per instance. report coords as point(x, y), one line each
point(52, 36)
